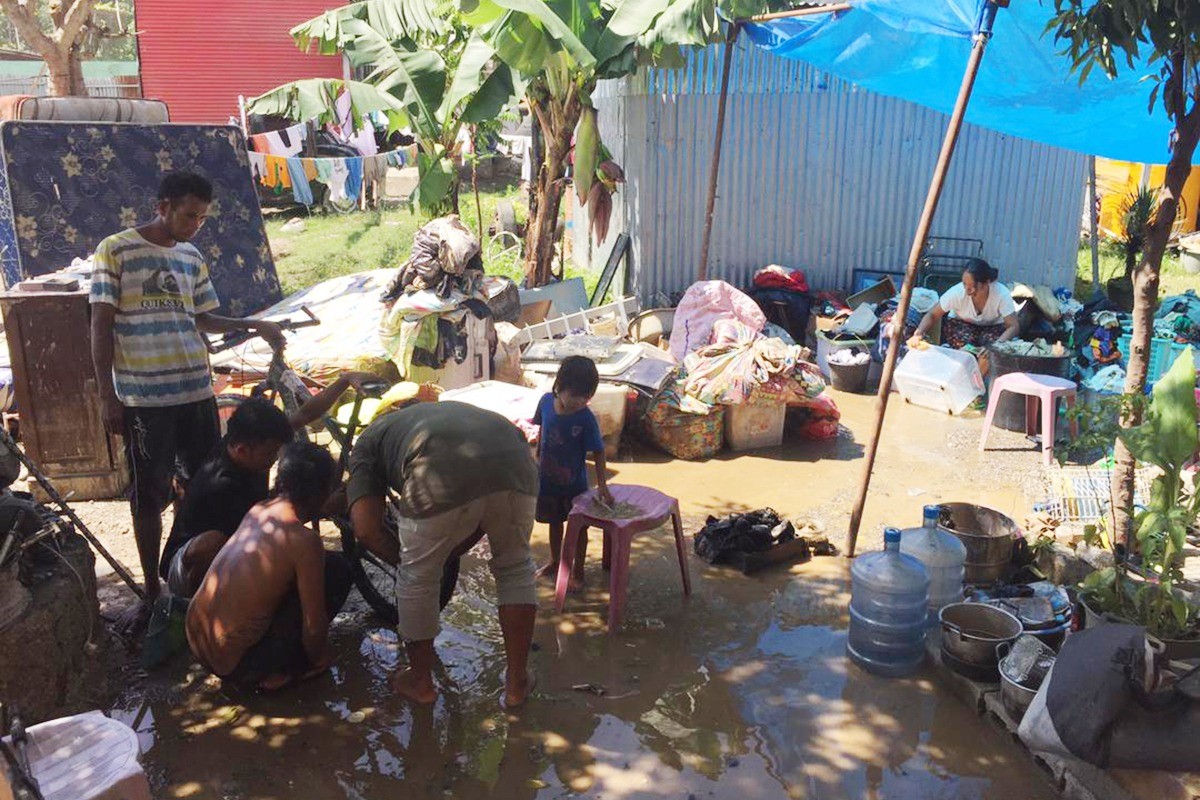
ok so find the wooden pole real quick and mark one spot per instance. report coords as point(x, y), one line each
point(914, 257)
point(715, 168)
point(1093, 231)
point(799, 12)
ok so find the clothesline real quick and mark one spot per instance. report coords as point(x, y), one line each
point(344, 175)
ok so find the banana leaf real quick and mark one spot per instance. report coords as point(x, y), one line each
point(314, 98)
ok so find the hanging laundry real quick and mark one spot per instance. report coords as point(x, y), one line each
point(286, 142)
point(258, 165)
point(337, 179)
point(310, 168)
point(354, 176)
point(324, 168)
point(301, 190)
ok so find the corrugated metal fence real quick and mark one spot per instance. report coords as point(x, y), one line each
point(39, 86)
point(819, 174)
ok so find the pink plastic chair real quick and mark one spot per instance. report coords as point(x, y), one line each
point(1046, 389)
point(656, 509)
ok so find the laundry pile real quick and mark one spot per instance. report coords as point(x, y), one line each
point(445, 257)
point(437, 302)
point(741, 367)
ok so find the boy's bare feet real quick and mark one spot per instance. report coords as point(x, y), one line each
point(517, 690)
point(412, 687)
point(575, 584)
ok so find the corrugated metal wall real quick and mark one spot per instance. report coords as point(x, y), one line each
point(818, 174)
point(199, 57)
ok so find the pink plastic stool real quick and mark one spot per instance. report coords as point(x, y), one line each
point(1044, 388)
point(656, 509)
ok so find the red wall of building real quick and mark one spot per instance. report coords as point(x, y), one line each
point(199, 56)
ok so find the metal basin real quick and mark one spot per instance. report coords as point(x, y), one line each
point(988, 536)
point(971, 632)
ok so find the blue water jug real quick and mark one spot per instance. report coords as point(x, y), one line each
point(889, 596)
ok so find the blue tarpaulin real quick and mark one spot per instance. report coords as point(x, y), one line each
point(917, 50)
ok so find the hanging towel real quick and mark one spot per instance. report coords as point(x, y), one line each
point(258, 165)
point(373, 168)
point(294, 143)
point(354, 168)
point(310, 168)
point(260, 143)
point(324, 168)
point(301, 190)
point(337, 179)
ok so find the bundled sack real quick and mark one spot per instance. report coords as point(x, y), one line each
point(1098, 705)
point(703, 304)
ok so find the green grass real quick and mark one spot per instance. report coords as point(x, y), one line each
point(1112, 264)
point(341, 244)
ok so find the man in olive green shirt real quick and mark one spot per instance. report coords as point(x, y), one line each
point(456, 469)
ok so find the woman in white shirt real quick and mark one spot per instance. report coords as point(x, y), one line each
point(978, 311)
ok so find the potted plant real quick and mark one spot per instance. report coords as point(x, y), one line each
point(1144, 587)
point(1137, 213)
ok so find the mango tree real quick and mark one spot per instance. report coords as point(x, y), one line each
point(1111, 35)
point(423, 67)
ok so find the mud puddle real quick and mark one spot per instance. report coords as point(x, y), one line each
point(742, 691)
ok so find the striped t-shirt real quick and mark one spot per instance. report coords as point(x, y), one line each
point(159, 358)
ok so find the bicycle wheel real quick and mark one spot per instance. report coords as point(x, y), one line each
point(226, 405)
point(375, 579)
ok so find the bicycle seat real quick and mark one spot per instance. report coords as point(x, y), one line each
point(375, 388)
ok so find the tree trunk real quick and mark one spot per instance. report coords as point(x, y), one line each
point(557, 121)
point(1145, 298)
point(66, 73)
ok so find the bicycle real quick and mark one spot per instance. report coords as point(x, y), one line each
point(374, 578)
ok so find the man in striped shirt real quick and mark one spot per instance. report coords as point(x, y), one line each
point(151, 298)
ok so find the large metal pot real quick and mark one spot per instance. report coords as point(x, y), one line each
point(988, 536)
point(971, 632)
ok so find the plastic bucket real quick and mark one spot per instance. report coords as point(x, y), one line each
point(849, 377)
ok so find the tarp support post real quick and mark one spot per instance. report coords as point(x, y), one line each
point(910, 273)
point(715, 168)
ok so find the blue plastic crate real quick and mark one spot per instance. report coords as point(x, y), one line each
point(1163, 353)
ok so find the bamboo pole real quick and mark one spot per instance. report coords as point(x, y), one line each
point(715, 168)
point(914, 256)
point(800, 12)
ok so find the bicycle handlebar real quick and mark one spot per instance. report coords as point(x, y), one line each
point(231, 340)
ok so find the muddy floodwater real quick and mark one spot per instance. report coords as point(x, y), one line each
point(741, 691)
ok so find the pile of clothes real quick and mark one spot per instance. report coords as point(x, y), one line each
point(432, 298)
point(737, 538)
point(742, 367)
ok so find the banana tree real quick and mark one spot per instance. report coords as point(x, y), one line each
point(439, 74)
point(561, 49)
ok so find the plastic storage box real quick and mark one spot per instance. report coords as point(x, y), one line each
point(608, 405)
point(754, 425)
point(1163, 353)
point(827, 346)
point(939, 378)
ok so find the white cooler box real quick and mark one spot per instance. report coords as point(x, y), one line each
point(939, 378)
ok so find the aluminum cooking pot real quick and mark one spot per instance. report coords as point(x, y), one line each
point(972, 631)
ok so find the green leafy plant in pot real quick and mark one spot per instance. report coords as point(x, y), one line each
point(1149, 594)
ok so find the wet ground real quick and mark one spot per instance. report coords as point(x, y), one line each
point(741, 691)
